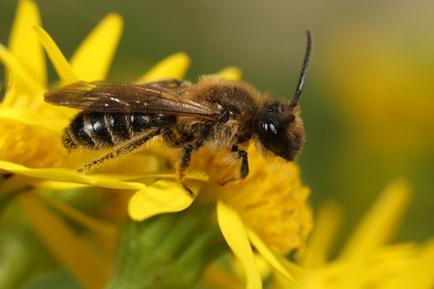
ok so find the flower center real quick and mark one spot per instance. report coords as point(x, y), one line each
point(271, 200)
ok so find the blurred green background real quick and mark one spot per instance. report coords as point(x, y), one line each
point(368, 102)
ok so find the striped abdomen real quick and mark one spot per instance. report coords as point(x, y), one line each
point(97, 130)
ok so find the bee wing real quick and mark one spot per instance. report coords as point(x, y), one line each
point(156, 97)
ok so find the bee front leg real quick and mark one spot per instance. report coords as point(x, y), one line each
point(244, 168)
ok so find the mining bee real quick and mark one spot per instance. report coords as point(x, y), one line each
point(217, 113)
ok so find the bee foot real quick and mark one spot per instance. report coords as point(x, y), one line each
point(189, 191)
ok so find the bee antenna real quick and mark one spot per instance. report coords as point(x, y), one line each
point(303, 73)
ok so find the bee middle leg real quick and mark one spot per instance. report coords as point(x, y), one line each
point(188, 147)
point(121, 150)
point(184, 163)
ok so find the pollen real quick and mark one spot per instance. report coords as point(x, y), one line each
point(272, 201)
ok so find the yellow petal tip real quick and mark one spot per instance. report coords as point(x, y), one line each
point(174, 66)
point(163, 196)
point(115, 17)
point(235, 234)
point(92, 59)
point(230, 73)
point(56, 56)
point(382, 221)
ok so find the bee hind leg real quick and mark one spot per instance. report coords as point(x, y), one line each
point(124, 149)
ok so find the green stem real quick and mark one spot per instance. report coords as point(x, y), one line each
point(22, 254)
point(7, 197)
point(168, 251)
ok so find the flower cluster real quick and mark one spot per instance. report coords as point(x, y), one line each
point(268, 211)
point(130, 224)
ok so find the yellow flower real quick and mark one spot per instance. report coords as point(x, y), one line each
point(267, 211)
point(31, 129)
point(367, 260)
point(271, 201)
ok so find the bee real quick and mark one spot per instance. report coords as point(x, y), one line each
point(217, 113)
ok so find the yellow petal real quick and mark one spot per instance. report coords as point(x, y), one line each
point(194, 175)
point(235, 235)
point(68, 175)
point(93, 58)
point(267, 254)
point(325, 230)
point(61, 186)
point(23, 42)
point(69, 178)
point(421, 274)
point(380, 223)
point(294, 270)
point(19, 72)
point(30, 118)
point(163, 196)
point(174, 66)
point(56, 56)
point(230, 73)
point(72, 251)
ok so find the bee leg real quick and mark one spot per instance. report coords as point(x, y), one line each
point(121, 150)
point(175, 140)
point(187, 150)
point(184, 164)
point(185, 160)
point(244, 168)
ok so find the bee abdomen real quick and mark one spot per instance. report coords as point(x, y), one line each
point(98, 130)
point(119, 126)
point(88, 130)
point(124, 126)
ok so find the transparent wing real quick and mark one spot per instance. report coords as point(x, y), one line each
point(155, 97)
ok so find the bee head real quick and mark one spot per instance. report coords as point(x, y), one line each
point(279, 127)
point(280, 130)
